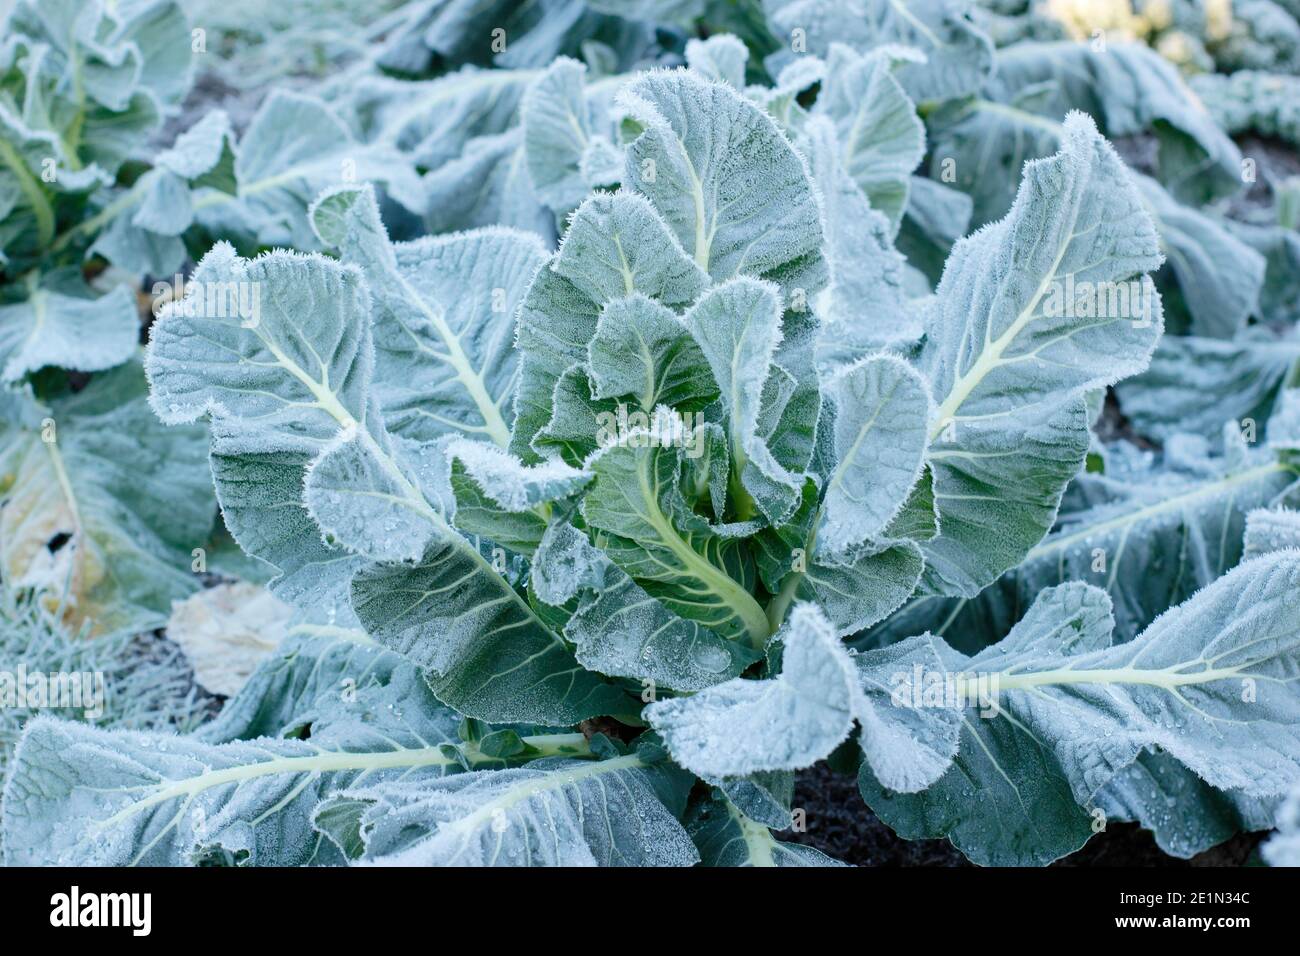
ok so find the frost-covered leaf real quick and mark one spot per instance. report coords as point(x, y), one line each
point(1251, 101)
point(617, 812)
point(83, 796)
point(616, 245)
point(1129, 90)
point(295, 147)
point(309, 677)
point(1271, 529)
point(865, 307)
point(622, 631)
point(1243, 376)
point(558, 129)
point(100, 506)
point(958, 55)
point(51, 327)
point(1031, 313)
point(485, 649)
point(881, 407)
point(1206, 684)
point(1151, 539)
point(134, 681)
point(881, 138)
point(146, 222)
point(738, 326)
point(435, 32)
point(96, 76)
point(567, 563)
point(363, 491)
point(1217, 277)
point(1185, 814)
point(746, 726)
point(261, 497)
point(292, 366)
point(30, 206)
point(443, 320)
point(724, 178)
point(641, 349)
point(726, 837)
point(510, 484)
point(791, 721)
point(1159, 539)
point(763, 797)
point(464, 130)
point(855, 589)
point(635, 503)
point(721, 57)
point(1279, 298)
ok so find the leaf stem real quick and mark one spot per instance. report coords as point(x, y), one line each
point(31, 189)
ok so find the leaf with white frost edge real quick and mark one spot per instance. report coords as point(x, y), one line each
point(643, 350)
point(738, 326)
point(555, 812)
point(615, 245)
point(721, 57)
point(295, 366)
point(361, 500)
point(958, 55)
point(881, 138)
point(797, 718)
point(622, 631)
point(1269, 529)
point(443, 322)
point(87, 334)
point(557, 130)
point(1007, 367)
point(725, 179)
point(303, 681)
point(484, 649)
point(855, 589)
point(508, 482)
point(295, 147)
point(83, 796)
point(881, 407)
point(261, 498)
point(865, 307)
point(1075, 712)
point(487, 651)
point(504, 501)
point(647, 528)
point(1150, 538)
point(566, 564)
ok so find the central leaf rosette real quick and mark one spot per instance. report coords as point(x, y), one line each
point(690, 451)
point(668, 350)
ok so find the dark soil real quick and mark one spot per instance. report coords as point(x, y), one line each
point(842, 826)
